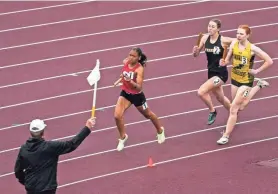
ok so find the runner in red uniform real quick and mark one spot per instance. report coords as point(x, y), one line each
point(132, 93)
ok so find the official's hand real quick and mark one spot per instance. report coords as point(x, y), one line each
point(91, 123)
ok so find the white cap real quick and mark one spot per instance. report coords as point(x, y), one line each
point(37, 125)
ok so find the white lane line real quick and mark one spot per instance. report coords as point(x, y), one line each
point(104, 15)
point(6, 174)
point(101, 50)
point(169, 161)
point(144, 121)
point(112, 31)
point(116, 66)
point(154, 141)
point(47, 7)
point(100, 88)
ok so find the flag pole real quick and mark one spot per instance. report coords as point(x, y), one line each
point(93, 79)
point(94, 100)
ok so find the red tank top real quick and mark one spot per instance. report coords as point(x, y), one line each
point(130, 73)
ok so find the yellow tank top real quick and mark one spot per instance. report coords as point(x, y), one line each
point(243, 60)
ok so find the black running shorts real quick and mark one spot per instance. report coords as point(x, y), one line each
point(223, 75)
point(238, 84)
point(135, 99)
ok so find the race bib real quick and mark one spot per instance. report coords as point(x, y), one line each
point(128, 75)
point(243, 60)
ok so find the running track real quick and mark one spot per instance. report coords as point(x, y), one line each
point(47, 51)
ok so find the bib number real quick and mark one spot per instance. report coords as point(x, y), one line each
point(245, 93)
point(216, 50)
point(130, 75)
point(243, 60)
point(216, 81)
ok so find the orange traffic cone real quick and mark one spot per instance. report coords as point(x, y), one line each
point(151, 164)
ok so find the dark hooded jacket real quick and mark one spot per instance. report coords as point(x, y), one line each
point(36, 164)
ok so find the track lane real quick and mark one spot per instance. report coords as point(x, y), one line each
point(145, 131)
point(12, 6)
point(202, 173)
point(70, 84)
point(138, 156)
point(94, 43)
point(88, 26)
point(81, 102)
point(69, 13)
point(175, 148)
point(144, 163)
point(64, 107)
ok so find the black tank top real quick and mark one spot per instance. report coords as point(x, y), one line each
point(214, 53)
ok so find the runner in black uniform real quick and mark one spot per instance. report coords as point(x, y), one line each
point(214, 52)
point(213, 44)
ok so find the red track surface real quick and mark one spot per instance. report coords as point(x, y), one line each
point(173, 98)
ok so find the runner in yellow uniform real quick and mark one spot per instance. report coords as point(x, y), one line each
point(243, 75)
point(242, 62)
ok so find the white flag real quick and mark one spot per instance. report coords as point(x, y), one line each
point(94, 76)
